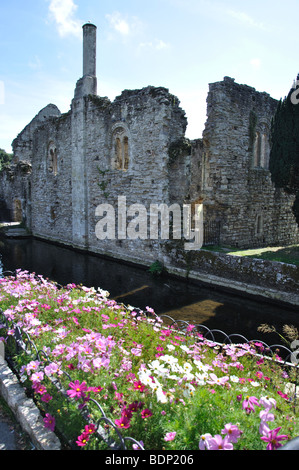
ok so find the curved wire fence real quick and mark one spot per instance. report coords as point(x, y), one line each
point(106, 429)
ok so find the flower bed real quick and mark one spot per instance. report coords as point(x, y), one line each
point(109, 376)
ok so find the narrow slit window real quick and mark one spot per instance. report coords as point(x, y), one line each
point(120, 145)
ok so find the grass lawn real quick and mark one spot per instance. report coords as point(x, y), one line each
point(284, 254)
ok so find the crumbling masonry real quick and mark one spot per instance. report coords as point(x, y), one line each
point(65, 165)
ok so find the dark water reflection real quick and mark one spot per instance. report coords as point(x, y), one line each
point(135, 286)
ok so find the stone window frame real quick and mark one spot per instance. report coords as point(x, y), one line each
point(52, 158)
point(261, 146)
point(120, 142)
point(259, 225)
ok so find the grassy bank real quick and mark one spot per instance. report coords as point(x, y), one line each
point(100, 365)
point(284, 254)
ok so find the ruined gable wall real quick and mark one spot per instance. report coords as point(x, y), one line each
point(22, 144)
point(235, 183)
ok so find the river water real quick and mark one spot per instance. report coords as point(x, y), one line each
point(196, 303)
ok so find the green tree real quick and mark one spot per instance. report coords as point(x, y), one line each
point(284, 154)
point(5, 158)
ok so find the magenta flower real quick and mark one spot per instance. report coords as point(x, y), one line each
point(123, 422)
point(217, 443)
point(139, 386)
point(273, 439)
point(77, 390)
point(46, 398)
point(49, 422)
point(232, 431)
point(248, 404)
point(83, 439)
point(170, 436)
point(146, 413)
point(89, 428)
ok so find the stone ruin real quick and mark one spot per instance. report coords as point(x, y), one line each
point(66, 165)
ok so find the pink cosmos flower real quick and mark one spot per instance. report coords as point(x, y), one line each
point(136, 351)
point(283, 395)
point(273, 439)
point(77, 390)
point(217, 380)
point(217, 443)
point(268, 402)
point(248, 404)
point(232, 431)
point(82, 439)
point(89, 428)
point(46, 398)
point(49, 422)
point(204, 441)
point(170, 436)
point(37, 376)
point(41, 389)
point(138, 386)
point(136, 446)
point(123, 422)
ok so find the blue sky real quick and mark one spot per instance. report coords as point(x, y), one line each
point(182, 45)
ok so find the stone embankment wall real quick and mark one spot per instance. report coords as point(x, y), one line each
point(269, 279)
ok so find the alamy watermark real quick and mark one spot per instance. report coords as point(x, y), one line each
point(295, 93)
point(159, 221)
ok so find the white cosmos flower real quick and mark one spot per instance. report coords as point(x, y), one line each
point(161, 397)
point(234, 378)
point(255, 384)
point(169, 359)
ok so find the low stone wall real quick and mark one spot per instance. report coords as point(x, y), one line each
point(24, 409)
point(270, 279)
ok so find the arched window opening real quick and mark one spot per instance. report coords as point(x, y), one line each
point(18, 214)
point(120, 146)
point(52, 159)
point(259, 225)
point(261, 148)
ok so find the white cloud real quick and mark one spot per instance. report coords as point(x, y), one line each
point(63, 11)
point(157, 44)
point(256, 63)
point(123, 25)
point(246, 19)
point(118, 23)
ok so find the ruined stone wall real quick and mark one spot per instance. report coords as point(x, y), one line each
point(51, 181)
point(146, 121)
point(135, 148)
point(15, 192)
point(77, 166)
point(234, 178)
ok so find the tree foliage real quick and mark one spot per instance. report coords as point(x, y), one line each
point(284, 154)
point(5, 158)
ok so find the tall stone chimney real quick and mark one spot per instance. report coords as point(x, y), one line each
point(87, 85)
